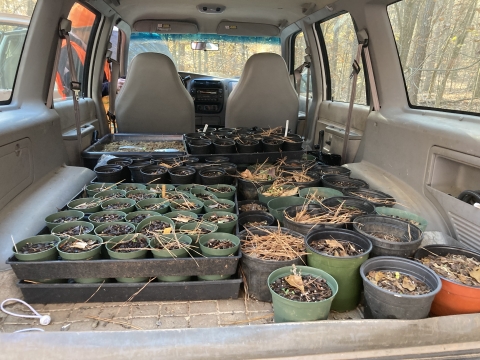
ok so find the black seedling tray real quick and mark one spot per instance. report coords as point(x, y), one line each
point(111, 268)
point(94, 152)
point(120, 292)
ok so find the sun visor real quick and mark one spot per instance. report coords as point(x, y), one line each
point(247, 29)
point(164, 26)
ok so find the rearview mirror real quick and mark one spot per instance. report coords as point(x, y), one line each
point(205, 46)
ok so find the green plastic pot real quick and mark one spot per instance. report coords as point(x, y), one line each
point(141, 205)
point(93, 205)
point(107, 195)
point(131, 187)
point(101, 213)
point(173, 214)
point(196, 192)
point(63, 227)
point(50, 254)
point(345, 270)
point(188, 228)
point(403, 215)
point(147, 221)
point(319, 191)
point(138, 254)
point(185, 195)
point(208, 209)
point(98, 230)
point(266, 199)
point(276, 206)
point(179, 253)
point(130, 204)
point(207, 252)
point(158, 188)
point(226, 195)
point(93, 189)
point(72, 213)
point(131, 215)
point(175, 203)
point(227, 227)
point(92, 254)
point(285, 310)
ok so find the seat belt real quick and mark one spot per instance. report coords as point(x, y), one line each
point(112, 91)
point(297, 73)
point(64, 29)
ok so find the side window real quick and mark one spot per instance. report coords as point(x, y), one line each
point(299, 47)
point(341, 45)
point(14, 22)
point(438, 45)
point(83, 23)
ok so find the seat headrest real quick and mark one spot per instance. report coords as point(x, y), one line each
point(263, 65)
point(151, 60)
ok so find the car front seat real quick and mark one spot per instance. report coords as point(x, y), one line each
point(264, 95)
point(153, 98)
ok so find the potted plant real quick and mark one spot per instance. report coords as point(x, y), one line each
point(63, 217)
point(37, 248)
point(301, 293)
point(197, 229)
point(136, 217)
point(156, 225)
point(112, 229)
point(139, 195)
point(125, 205)
point(81, 247)
point(110, 194)
point(93, 189)
point(222, 191)
point(225, 221)
point(85, 205)
point(181, 218)
point(131, 187)
point(158, 205)
point(216, 245)
point(103, 217)
point(318, 194)
point(73, 228)
point(219, 205)
point(192, 205)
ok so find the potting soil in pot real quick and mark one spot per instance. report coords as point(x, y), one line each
point(280, 191)
point(205, 196)
point(335, 247)
point(303, 288)
point(107, 218)
point(255, 223)
point(137, 218)
point(116, 230)
point(65, 219)
point(187, 206)
point(219, 244)
point(397, 282)
point(141, 196)
point(218, 206)
point(157, 206)
point(117, 206)
point(130, 245)
point(413, 222)
point(221, 219)
point(183, 219)
point(76, 230)
point(169, 245)
point(32, 248)
point(458, 268)
point(110, 196)
point(252, 207)
point(378, 201)
point(220, 189)
point(78, 246)
point(155, 226)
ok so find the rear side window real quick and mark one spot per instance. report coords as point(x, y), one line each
point(84, 22)
point(341, 45)
point(438, 45)
point(14, 21)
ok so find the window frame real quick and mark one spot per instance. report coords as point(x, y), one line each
point(326, 64)
point(410, 105)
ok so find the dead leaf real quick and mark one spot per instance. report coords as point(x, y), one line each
point(334, 244)
point(379, 276)
point(79, 245)
point(291, 192)
point(295, 281)
point(246, 174)
point(475, 273)
point(408, 284)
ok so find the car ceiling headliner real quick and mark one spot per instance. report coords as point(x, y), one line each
point(258, 11)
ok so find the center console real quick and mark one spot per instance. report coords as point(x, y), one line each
point(208, 96)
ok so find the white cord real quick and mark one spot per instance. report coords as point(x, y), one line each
point(44, 319)
point(29, 329)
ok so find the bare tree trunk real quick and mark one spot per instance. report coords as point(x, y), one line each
point(410, 11)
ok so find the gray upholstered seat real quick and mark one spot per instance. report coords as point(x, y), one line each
point(264, 95)
point(153, 98)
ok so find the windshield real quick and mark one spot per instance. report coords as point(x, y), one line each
point(227, 62)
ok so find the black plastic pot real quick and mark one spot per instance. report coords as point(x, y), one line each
point(271, 144)
point(168, 161)
point(191, 160)
point(110, 173)
point(332, 170)
point(200, 146)
point(138, 159)
point(154, 174)
point(248, 189)
point(304, 229)
point(383, 304)
point(411, 235)
point(245, 202)
point(198, 166)
point(182, 174)
point(363, 205)
point(217, 159)
point(212, 175)
point(231, 170)
point(124, 162)
point(343, 183)
point(380, 198)
point(255, 216)
point(222, 134)
point(247, 146)
point(135, 168)
point(224, 146)
point(292, 143)
point(195, 136)
point(256, 270)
